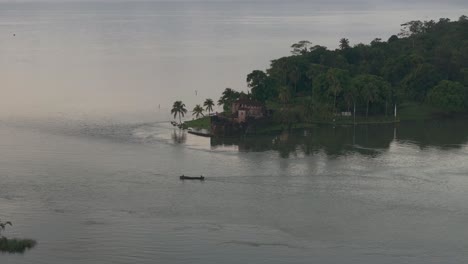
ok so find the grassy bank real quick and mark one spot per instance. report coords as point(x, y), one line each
point(201, 123)
point(15, 245)
point(410, 111)
point(339, 121)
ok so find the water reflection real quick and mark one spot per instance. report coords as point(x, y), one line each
point(370, 140)
point(444, 134)
point(179, 136)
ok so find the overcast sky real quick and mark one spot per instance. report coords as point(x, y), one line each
point(95, 57)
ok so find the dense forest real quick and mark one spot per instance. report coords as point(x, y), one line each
point(425, 64)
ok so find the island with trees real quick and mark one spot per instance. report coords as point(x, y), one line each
point(420, 73)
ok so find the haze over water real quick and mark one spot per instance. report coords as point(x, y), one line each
point(131, 56)
point(96, 180)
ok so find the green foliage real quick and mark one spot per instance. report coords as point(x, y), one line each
point(178, 108)
point(449, 96)
point(198, 111)
point(371, 77)
point(284, 95)
point(259, 83)
point(371, 89)
point(200, 123)
point(302, 47)
point(416, 111)
point(418, 82)
point(13, 245)
point(208, 104)
point(344, 44)
point(16, 245)
point(227, 98)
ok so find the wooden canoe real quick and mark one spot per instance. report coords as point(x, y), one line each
point(183, 177)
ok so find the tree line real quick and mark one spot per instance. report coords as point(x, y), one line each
point(427, 62)
point(179, 109)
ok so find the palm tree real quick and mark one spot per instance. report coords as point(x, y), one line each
point(197, 111)
point(227, 97)
point(369, 93)
point(284, 95)
point(208, 104)
point(337, 81)
point(178, 108)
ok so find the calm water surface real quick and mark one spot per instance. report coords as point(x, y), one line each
point(109, 193)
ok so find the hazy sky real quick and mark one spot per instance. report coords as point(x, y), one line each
point(128, 56)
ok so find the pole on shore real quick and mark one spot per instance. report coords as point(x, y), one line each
point(354, 115)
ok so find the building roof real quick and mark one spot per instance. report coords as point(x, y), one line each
point(248, 102)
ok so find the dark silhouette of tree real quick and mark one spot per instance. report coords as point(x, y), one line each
point(227, 98)
point(208, 104)
point(198, 111)
point(344, 44)
point(449, 96)
point(178, 108)
point(301, 47)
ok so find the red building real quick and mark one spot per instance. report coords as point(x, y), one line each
point(243, 108)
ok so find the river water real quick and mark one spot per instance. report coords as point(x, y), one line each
point(105, 192)
point(91, 189)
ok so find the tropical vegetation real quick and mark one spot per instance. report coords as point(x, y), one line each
point(426, 64)
point(13, 245)
point(208, 104)
point(178, 109)
point(422, 71)
point(198, 111)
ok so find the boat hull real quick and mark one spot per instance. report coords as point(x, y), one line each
point(200, 178)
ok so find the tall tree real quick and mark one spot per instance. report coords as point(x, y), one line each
point(369, 87)
point(227, 98)
point(284, 95)
point(337, 79)
point(449, 96)
point(178, 108)
point(417, 83)
point(198, 111)
point(260, 85)
point(294, 76)
point(344, 44)
point(301, 47)
point(208, 104)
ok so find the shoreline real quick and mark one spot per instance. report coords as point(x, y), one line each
point(194, 126)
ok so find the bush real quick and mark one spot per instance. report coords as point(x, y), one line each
point(449, 96)
point(13, 245)
point(16, 245)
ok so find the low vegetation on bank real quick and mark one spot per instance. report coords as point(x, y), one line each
point(13, 245)
point(200, 123)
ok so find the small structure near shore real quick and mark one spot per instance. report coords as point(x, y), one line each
point(244, 115)
point(244, 108)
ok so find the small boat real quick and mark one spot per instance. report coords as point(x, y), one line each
point(201, 178)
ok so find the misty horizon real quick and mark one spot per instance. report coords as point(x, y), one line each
point(96, 57)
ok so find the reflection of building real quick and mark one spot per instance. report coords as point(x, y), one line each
point(244, 116)
point(242, 109)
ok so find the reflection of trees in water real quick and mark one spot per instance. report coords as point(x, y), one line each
point(333, 141)
point(444, 134)
point(179, 136)
point(363, 139)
